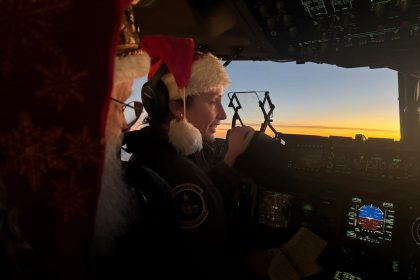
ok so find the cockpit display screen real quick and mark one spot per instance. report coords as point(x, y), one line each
point(308, 158)
point(370, 221)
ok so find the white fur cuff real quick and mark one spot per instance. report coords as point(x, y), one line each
point(207, 73)
point(131, 67)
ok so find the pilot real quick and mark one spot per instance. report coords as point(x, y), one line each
point(183, 102)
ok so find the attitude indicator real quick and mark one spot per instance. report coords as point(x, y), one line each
point(370, 217)
point(370, 221)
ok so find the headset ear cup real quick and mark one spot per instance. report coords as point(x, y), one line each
point(155, 98)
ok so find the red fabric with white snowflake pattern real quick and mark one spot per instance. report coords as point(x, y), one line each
point(56, 69)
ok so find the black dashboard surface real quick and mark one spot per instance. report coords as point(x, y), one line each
point(362, 197)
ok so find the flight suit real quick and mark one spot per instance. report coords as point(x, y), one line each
point(204, 247)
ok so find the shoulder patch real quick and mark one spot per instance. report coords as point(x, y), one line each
point(190, 204)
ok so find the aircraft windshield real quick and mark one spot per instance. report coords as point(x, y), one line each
point(319, 99)
point(314, 99)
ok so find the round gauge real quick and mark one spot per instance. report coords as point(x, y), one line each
point(415, 231)
point(370, 217)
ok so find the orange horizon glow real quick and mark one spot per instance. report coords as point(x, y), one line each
point(325, 131)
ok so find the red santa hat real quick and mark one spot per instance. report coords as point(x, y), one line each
point(130, 62)
point(195, 73)
point(188, 74)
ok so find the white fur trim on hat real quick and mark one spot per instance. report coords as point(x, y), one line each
point(130, 67)
point(185, 137)
point(207, 74)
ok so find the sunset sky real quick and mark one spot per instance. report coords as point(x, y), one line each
point(315, 99)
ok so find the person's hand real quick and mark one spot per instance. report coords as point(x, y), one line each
point(238, 141)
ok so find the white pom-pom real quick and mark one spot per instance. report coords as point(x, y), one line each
point(185, 137)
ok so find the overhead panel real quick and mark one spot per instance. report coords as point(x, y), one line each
point(349, 33)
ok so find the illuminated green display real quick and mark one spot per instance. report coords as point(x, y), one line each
point(307, 207)
point(341, 5)
point(375, 2)
point(314, 7)
point(342, 275)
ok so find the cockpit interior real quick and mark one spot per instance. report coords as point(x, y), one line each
point(359, 194)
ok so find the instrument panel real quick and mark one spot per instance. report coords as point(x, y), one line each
point(381, 160)
point(360, 196)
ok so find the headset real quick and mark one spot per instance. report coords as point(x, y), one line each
point(155, 97)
